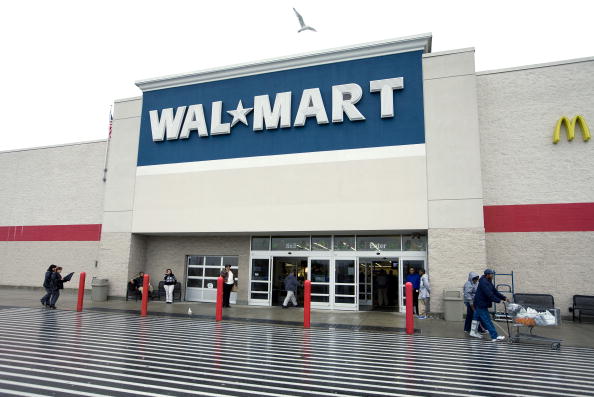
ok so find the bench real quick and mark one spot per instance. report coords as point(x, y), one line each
point(133, 292)
point(176, 291)
point(538, 302)
point(583, 304)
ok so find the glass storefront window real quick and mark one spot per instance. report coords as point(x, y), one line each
point(212, 272)
point(203, 270)
point(378, 243)
point(286, 243)
point(194, 260)
point(320, 271)
point(345, 271)
point(414, 242)
point(344, 243)
point(194, 282)
point(259, 287)
point(260, 269)
point(321, 243)
point(260, 243)
point(344, 290)
point(195, 272)
point(230, 260)
point(212, 261)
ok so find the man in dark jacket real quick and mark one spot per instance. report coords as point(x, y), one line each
point(486, 294)
point(46, 284)
point(291, 285)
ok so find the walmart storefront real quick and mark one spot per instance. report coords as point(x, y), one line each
point(344, 165)
point(319, 161)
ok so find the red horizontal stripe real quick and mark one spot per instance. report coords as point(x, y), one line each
point(570, 217)
point(51, 233)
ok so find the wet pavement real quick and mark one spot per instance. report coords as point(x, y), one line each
point(64, 353)
point(573, 334)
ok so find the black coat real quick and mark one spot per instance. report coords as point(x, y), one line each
point(47, 279)
point(56, 282)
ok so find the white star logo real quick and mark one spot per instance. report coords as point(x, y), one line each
point(239, 114)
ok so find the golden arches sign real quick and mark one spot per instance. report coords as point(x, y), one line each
point(570, 128)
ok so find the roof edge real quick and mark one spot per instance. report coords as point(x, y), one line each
point(357, 51)
point(536, 66)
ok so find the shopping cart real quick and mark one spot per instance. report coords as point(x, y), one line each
point(530, 311)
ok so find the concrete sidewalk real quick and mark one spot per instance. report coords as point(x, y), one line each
point(572, 334)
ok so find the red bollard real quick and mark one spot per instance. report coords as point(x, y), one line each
point(307, 304)
point(81, 291)
point(410, 318)
point(219, 309)
point(145, 294)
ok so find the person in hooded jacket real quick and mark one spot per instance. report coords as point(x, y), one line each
point(169, 282)
point(486, 294)
point(46, 284)
point(424, 294)
point(469, 292)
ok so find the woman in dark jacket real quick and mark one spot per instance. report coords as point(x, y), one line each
point(169, 285)
point(56, 284)
point(46, 284)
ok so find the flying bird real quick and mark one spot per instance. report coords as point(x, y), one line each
point(303, 25)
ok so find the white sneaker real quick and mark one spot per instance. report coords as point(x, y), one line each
point(499, 338)
point(475, 335)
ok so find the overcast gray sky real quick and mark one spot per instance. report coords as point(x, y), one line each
point(64, 62)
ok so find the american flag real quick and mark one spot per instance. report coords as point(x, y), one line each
point(110, 123)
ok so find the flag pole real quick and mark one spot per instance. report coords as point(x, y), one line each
point(107, 146)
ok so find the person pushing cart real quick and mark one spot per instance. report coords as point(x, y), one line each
point(486, 294)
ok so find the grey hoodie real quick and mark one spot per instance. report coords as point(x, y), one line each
point(470, 287)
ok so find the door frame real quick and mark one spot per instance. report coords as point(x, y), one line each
point(260, 302)
point(403, 278)
point(322, 305)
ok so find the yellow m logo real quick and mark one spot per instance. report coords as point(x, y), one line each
point(570, 127)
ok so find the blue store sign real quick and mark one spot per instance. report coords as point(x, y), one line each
point(360, 103)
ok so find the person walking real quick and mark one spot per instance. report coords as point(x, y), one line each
point(46, 284)
point(424, 294)
point(486, 294)
point(382, 288)
point(291, 285)
point(169, 282)
point(469, 292)
point(228, 280)
point(414, 278)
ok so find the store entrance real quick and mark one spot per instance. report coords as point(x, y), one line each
point(378, 284)
point(281, 267)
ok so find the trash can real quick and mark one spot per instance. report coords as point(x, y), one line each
point(453, 306)
point(99, 291)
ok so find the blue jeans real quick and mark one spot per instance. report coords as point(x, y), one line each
point(46, 298)
point(469, 318)
point(54, 297)
point(484, 317)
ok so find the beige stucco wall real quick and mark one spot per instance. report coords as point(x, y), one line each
point(121, 254)
point(456, 238)
point(452, 254)
point(518, 110)
point(59, 185)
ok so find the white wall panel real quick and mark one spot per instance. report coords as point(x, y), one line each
point(383, 194)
